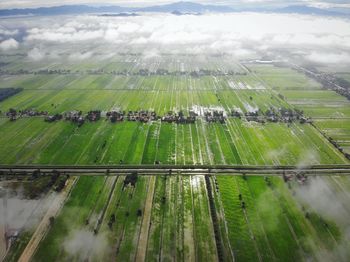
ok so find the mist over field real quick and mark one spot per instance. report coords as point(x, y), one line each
point(243, 35)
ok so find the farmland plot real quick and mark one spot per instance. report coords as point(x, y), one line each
point(329, 110)
point(35, 141)
point(175, 217)
point(275, 223)
point(86, 223)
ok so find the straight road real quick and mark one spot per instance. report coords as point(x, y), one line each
point(103, 170)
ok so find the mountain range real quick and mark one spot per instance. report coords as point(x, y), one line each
point(175, 8)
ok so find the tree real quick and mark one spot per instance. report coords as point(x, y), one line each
point(52, 220)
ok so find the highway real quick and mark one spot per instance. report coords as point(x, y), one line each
point(115, 170)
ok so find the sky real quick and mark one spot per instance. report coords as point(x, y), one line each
point(234, 3)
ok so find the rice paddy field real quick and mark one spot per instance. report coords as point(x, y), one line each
point(178, 217)
point(329, 110)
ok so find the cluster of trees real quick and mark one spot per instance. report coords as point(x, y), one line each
point(345, 90)
point(285, 115)
point(38, 183)
point(329, 81)
point(75, 117)
point(215, 220)
point(93, 115)
point(115, 116)
point(142, 116)
point(125, 72)
point(13, 114)
point(15, 72)
point(196, 73)
point(179, 117)
point(337, 146)
point(130, 179)
point(53, 118)
point(215, 116)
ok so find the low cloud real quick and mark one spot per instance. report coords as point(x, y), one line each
point(84, 245)
point(330, 203)
point(321, 197)
point(20, 213)
point(64, 35)
point(9, 44)
point(243, 35)
point(331, 58)
point(8, 32)
point(36, 54)
point(80, 55)
point(308, 158)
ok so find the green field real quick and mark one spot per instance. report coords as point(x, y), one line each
point(103, 220)
point(329, 110)
point(272, 227)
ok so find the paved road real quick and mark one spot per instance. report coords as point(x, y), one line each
point(90, 170)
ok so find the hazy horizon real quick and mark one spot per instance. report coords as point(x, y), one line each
point(141, 3)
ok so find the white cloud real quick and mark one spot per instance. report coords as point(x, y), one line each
point(36, 54)
point(188, 29)
point(80, 55)
point(8, 32)
point(9, 44)
point(329, 58)
point(241, 34)
point(64, 35)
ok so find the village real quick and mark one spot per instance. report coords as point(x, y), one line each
point(279, 115)
point(141, 72)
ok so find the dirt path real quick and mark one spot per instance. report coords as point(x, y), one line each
point(2, 242)
point(251, 233)
point(44, 225)
point(143, 238)
point(189, 241)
